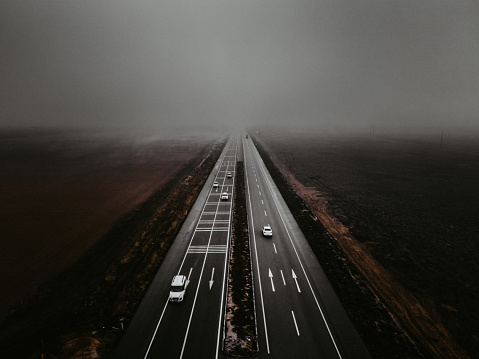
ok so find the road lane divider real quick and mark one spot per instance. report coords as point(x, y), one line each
point(284, 282)
point(295, 324)
point(275, 251)
point(189, 274)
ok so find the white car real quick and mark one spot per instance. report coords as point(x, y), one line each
point(178, 288)
point(229, 175)
point(267, 231)
point(215, 184)
point(224, 195)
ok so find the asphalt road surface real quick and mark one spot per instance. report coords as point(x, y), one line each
point(192, 328)
point(298, 314)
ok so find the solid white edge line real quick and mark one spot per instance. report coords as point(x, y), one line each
point(156, 329)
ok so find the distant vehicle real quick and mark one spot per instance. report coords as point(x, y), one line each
point(224, 195)
point(215, 184)
point(229, 175)
point(267, 231)
point(178, 288)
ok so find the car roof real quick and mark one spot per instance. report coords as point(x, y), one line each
point(178, 280)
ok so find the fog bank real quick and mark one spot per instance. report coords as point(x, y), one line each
point(401, 65)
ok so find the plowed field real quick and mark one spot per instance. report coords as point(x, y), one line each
point(403, 214)
point(86, 220)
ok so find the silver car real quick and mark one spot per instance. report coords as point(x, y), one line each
point(178, 288)
point(267, 231)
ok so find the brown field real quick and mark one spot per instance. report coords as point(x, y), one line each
point(144, 186)
point(402, 214)
point(60, 191)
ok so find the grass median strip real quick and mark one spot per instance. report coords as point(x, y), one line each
point(240, 328)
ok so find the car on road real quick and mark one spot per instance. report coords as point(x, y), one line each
point(229, 175)
point(224, 195)
point(267, 231)
point(178, 288)
point(215, 184)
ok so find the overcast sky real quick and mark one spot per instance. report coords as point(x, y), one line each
point(392, 64)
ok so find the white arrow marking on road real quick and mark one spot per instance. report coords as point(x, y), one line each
point(211, 280)
point(296, 280)
point(271, 276)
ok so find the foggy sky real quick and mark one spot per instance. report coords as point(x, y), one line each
point(330, 63)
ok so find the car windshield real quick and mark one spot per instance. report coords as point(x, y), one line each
point(176, 288)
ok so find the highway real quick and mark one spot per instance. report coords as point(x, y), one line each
point(297, 312)
point(192, 328)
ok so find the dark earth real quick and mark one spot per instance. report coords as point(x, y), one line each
point(409, 205)
point(412, 205)
point(82, 310)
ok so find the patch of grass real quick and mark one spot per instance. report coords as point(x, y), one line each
point(240, 338)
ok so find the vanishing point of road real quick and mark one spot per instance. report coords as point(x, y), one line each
point(297, 312)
